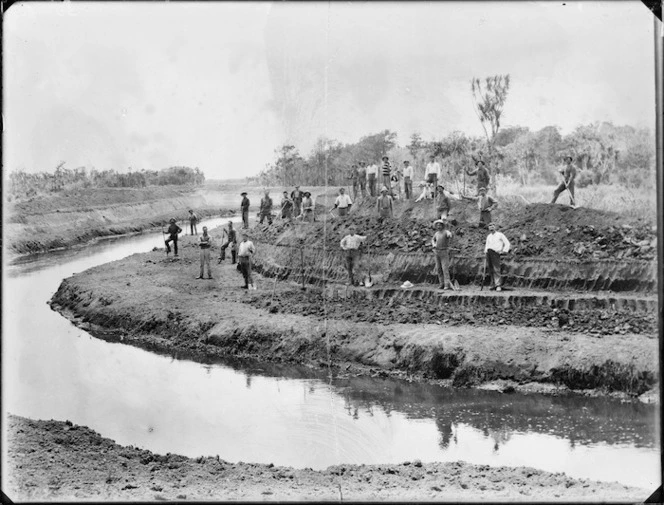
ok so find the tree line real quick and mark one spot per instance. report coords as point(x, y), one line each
point(24, 184)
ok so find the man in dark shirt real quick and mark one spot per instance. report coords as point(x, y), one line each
point(354, 177)
point(244, 206)
point(229, 238)
point(569, 174)
point(193, 220)
point(482, 173)
point(173, 231)
point(442, 203)
point(205, 243)
point(266, 208)
point(296, 196)
point(386, 171)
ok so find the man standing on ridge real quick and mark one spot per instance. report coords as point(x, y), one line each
point(569, 174)
point(296, 196)
point(351, 245)
point(266, 208)
point(386, 170)
point(362, 178)
point(354, 177)
point(173, 230)
point(244, 206)
point(483, 177)
point(372, 174)
point(408, 179)
point(384, 204)
point(432, 173)
point(442, 203)
point(496, 244)
point(229, 238)
point(205, 242)
point(343, 203)
point(440, 243)
point(308, 208)
point(193, 220)
point(286, 206)
point(245, 253)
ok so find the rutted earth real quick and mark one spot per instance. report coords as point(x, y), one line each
point(55, 460)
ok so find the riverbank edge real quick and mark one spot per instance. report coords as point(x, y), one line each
point(59, 460)
point(200, 339)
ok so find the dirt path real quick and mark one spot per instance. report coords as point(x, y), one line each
point(54, 460)
point(147, 301)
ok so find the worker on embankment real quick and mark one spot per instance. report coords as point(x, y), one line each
point(384, 204)
point(362, 178)
point(205, 243)
point(485, 204)
point(351, 245)
point(443, 205)
point(193, 220)
point(386, 170)
point(296, 195)
point(286, 206)
point(173, 230)
point(229, 239)
point(482, 173)
point(308, 208)
point(266, 208)
point(372, 175)
point(244, 206)
point(440, 243)
point(569, 174)
point(343, 203)
point(496, 244)
point(408, 179)
point(354, 177)
point(432, 174)
point(245, 253)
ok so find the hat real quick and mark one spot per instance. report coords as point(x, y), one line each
point(407, 285)
point(385, 158)
point(482, 189)
point(172, 220)
point(383, 189)
point(244, 193)
point(568, 157)
point(306, 193)
point(406, 161)
point(480, 161)
point(421, 184)
point(342, 189)
point(441, 221)
point(361, 162)
point(441, 186)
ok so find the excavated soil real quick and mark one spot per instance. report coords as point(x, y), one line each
point(58, 461)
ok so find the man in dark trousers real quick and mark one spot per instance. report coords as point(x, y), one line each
point(205, 243)
point(308, 208)
point(229, 238)
point(485, 204)
point(244, 206)
point(386, 171)
point(496, 244)
point(482, 173)
point(173, 230)
point(440, 243)
point(266, 208)
point(296, 196)
point(351, 245)
point(569, 174)
point(442, 203)
point(245, 253)
point(193, 220)
point(362, 178)
point(286, 206)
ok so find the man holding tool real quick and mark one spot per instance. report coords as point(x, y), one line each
point(496, 244)
point(569, 174)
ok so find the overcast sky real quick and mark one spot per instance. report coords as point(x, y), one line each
point(221, 85)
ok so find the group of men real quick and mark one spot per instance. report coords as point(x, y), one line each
point(297, 205)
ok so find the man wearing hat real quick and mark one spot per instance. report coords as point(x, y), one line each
point(362, 178)
point(386, 170)
point(266, 208)
point(351, 245)
point(229, 238)
point(569, 174)
point(286, 206)
point(308, 208)
point(442, 203)
point(245, 253)
point(205, 243)
point(482, 173)
point(384, 204)
point(440, 243)
point(496, 244)
point(193, 220)
point(296, 196)
point(173, 230)
point(354, 177)
point(432, 173)
point(372, 174)
point(343, 203)
point(485, 204)
point(408, 179)
point(244, 206)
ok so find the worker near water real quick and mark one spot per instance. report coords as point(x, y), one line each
point(483, 177)
point(286, 206)
point(354, 177)
point(205, 243)
point(193, 220)
point(343, 203)
point(496, 244)
point(266, 208)
point(442, 203)
point(229, 239)
point(296, 195)
point(432, 174)
point(351, 245)
point(362, 178)
point(308, 208)
point(569, 174)
point(386, 170)
point(408, 180)
point(441, 242)
point(372, 175)
point(245, 253)
point(244, 206)
point(173, 230)
point(384, 204)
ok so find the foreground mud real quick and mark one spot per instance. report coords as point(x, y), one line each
point(151, 302)
point(54, 460)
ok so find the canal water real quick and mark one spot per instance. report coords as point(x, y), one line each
point(291, 416)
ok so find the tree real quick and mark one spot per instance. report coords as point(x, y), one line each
point(489, 100)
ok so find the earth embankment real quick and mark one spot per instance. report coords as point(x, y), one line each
point(56, 460)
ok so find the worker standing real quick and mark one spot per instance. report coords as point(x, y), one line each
point(244, 207)
point(308, 208)
point(343, 203)
point(351, 245)
point(354, 177)
point(229, 239)
point(440, 243)
point(432, 173)
point(296, 196)
point(372, 174)
point(408, 179)
point(193, 220)
point(442, 203)
point(362, 178)
point(386, 170)
point(384, 204)
point(205, 243)
point(286, 206)
point(483, 177)
point(266, 208)
point(245, 253)
point(173, 230)
point(496, 244)
point(569, 174)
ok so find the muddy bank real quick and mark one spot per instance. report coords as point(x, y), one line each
point(55, 460)
point(147, 301)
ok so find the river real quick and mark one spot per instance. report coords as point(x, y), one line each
point(286, 415)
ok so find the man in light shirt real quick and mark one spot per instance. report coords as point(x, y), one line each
point(384, 204)
point(245, 253)
point(205, 243)
point(496, 244)
point(440, 243)
point(372, 172)
point(351, 244)
point(408, 179)
point(432, 174)
point(343, 203)
point(386, 171)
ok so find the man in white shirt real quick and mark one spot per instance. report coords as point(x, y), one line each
point(372, 172)
point(351, 244)
point(433, 172)
point(441, 243)
point(244, 254)
point(408, 179)
point(496, 244)
point(343, 203)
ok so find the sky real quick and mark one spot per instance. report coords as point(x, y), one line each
point(220, 86)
